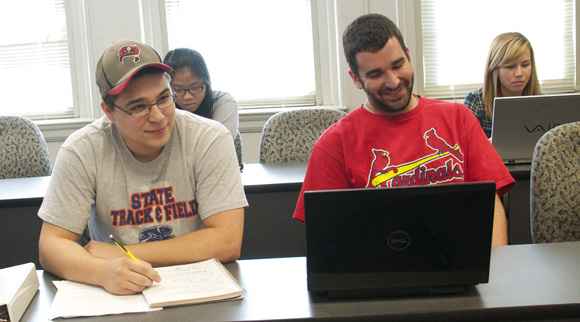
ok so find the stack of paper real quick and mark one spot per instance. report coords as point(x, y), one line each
point(77, 299)
point(200, 282)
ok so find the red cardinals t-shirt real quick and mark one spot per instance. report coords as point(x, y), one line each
point(436, 142)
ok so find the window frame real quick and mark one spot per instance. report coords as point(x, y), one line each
point(443, 92)
point(85, 93)
point(327, 89)
point(48, 50)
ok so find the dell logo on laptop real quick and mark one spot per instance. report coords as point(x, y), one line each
point(399, 240)
point(540, 128)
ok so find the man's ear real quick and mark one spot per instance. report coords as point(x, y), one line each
point(108, 111)
point(355, 79)
point(410, 58)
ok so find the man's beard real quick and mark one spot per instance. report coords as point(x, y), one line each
point(383, 105)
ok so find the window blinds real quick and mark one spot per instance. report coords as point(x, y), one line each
point(456, 35)
point(35, 75)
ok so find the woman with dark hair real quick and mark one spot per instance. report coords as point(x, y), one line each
point(191, 82)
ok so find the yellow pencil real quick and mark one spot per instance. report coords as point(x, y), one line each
point(123, 248)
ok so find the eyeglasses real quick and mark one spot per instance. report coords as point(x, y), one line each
point(192, 91)
point(143, 110)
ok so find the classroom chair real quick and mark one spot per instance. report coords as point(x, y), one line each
point(289, 136)
point(555, 186)
point(23, 150)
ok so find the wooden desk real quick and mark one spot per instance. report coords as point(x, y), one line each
point(271, 189)
point(23, 191)
point(271, 177)
point(527, 282)
point(20, 200)
point(277, 186)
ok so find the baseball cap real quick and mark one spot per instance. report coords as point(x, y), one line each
point(121, 61)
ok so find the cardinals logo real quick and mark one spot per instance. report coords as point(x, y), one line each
point(438, 144)
point(380, 162)
point(382, 174)
point(129, 51)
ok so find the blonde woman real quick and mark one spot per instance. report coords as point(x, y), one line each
point(510, 71)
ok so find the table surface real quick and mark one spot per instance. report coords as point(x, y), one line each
point(526, 282)
point(271, 177)
point(256, 177)
point(23, 190)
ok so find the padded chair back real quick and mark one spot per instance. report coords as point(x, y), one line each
point(555, 186)
point(23, 150)
point(289, 136)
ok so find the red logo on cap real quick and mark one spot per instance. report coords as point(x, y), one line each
point(129, 51)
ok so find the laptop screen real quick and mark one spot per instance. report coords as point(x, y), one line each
point(420, 236)
point(519, 122)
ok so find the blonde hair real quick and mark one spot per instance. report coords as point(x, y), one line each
point(505, 49)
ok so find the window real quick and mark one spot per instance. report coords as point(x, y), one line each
point(261, 51)
point(34, 62)
point(456, 36)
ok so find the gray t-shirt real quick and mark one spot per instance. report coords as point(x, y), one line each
point(195, 176)
point(225, 111)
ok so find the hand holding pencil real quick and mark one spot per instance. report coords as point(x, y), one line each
point(126, 278)
point(123, 248)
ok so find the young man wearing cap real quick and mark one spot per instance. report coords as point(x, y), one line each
point(165, 183)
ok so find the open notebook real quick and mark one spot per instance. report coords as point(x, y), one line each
point(399, 241)
point(195, 283)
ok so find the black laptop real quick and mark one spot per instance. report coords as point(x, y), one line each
point(399, 241)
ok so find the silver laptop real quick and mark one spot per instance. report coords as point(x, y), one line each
point(398, 241)
point(520, 121)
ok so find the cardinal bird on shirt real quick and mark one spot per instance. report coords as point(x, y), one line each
point(380, 162)
point(438, 144)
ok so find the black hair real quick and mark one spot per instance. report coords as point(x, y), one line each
point(369, 33)
point(182, 58)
